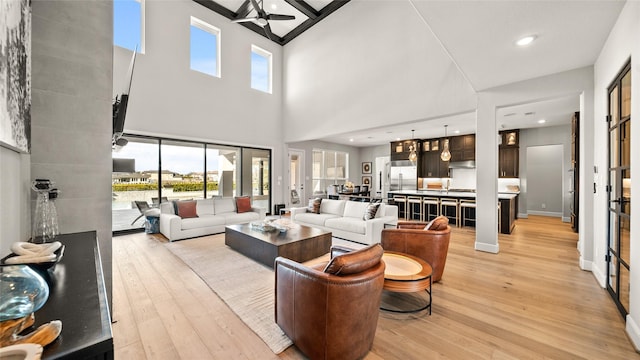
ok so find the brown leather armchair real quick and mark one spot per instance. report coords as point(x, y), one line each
point(411, 238)
point(330, 310)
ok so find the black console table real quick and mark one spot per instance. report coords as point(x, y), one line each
point(78, 298)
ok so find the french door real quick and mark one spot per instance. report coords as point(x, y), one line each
point(296, 177)
point(619, 190)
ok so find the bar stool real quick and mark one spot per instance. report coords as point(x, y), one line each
point(401, 202)
point(465, 206)
point(414, 203)
point(431, 206)
point(445, 204)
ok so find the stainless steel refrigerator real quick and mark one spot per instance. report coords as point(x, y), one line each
point(403, 176)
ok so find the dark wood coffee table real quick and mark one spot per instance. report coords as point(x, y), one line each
point(300, 243)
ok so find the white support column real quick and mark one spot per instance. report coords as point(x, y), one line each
point(486, 175)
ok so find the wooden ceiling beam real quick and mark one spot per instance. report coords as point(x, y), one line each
point(214, 6)
point(244, 10)
point(304, 8)
point(313, 15)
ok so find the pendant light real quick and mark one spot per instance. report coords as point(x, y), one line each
point(413, 157)
point(446, 154)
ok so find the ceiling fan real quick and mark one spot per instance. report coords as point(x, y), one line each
point(262, 18)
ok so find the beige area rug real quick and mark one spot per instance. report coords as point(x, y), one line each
point(246, 286)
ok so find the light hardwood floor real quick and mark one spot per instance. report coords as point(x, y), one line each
point(530, 301)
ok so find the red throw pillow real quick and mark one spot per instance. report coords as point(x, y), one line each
point(187, 209)
point(243, 204)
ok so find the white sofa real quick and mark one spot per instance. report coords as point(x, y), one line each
point(213, 215)
point(345, 219)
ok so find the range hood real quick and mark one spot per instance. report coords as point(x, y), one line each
point(469, 164)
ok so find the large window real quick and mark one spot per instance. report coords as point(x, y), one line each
point(128, 24)
point(329, 168)
point(260, 69)
point(182, 175)
point(150, 170)
point(205, 47)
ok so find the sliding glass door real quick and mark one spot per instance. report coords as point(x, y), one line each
point(134, 178)
point(149, 170)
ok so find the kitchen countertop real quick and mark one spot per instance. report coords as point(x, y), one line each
point(457, 194)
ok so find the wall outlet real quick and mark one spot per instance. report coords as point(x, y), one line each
point(544, 206)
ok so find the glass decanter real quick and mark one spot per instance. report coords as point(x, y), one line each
point(45, 222)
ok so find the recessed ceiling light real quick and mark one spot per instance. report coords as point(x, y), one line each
point(457, 132)
point(351, 139)
point(524, 41)
point(542, 121)
point(397, 139)
point(274, 7)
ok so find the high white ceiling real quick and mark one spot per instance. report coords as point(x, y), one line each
point(480, 38)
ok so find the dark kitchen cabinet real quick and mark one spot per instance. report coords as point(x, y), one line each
point(509, 162)
point(430, 168)
point(508, 214)
point(431, 165)
point(400, 150)
point(510, 138)
point(509, 154)
point(463, 148)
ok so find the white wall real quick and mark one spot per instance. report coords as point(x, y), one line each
point(544, 185)
point(386, 68)
point(623, 43)
point(72, 56)
point(574, 82)
point(169, 99)
point(544, 136)
point(15, 193)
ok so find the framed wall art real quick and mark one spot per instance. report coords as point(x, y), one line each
point(15, 75)
point(366, 167)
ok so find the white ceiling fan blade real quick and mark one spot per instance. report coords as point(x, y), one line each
point(253, 19)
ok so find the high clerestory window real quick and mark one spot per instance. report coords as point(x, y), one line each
point(260, 69)
point(205, 47)
point(128, 24)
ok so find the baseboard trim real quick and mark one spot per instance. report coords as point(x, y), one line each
point(585, 265)
point(566, 219)
point(600, 277)
point(523, 216)
point(490, 248)
point(544, 213)
point(633, 330)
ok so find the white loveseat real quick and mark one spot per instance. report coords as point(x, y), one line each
point(213, 215)
point(345, 219)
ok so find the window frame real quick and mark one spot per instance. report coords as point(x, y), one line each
point(213, 30)
point(269, 57)
point(323, 179)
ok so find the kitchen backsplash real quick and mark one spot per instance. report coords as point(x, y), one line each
point(466, 179)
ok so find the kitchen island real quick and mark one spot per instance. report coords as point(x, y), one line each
point(508, 203)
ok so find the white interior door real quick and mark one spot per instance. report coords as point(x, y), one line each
point(381, 177)
point(297, 196)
